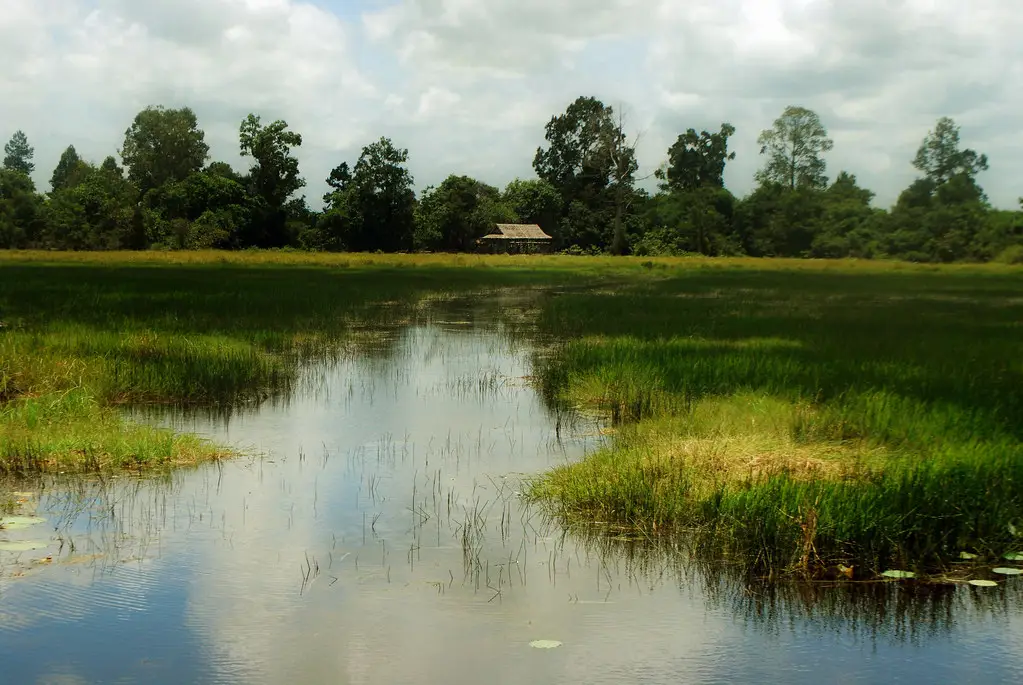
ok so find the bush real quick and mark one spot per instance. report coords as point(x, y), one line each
point(1011, 255)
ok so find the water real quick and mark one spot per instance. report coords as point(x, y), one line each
point(379, 538)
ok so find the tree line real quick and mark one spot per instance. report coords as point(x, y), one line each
point(165, 193)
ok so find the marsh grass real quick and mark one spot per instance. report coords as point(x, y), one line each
point(71, 432)
point(83, 333)
point(791, 414)
point(800, 420)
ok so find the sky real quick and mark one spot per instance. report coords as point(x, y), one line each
point(467, 86)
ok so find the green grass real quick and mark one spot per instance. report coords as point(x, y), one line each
point(786, 414)
point(796, 420)
point(84, 333)
point(71, 432)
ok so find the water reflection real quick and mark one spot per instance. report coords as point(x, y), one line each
point(377, 535)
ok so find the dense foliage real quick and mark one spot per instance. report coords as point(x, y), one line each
point(169, 196)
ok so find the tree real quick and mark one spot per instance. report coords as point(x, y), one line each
point(697, 160)
point(794, 147)
point(64, 173)
point(18, 154)
point(575, 162)
point(454, 215)
point(591, 161)
point(101, 212)
point(698, 220)
point(163, 146)
point(849, 226)
point(940, 158)
point(273, 176)
point(110, 166)
point(373, 206)
point(621, 153)
point(207, 209)
point(535, 201)
point(20, 210)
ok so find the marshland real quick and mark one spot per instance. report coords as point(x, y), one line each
point(636, 458)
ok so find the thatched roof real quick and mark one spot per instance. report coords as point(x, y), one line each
point(518, 232)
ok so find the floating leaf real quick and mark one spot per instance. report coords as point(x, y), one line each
point(983, 583)
point(899, 574)
point(1008, 571)
point(20, 522)
point(1015, 556)
point(22, 546)
point(967, 556)
point(544, 644)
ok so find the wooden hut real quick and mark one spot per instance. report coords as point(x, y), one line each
point(517, 239)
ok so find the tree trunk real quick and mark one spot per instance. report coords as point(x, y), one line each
point(618, 244)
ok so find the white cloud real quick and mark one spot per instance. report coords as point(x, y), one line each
point(467, 85)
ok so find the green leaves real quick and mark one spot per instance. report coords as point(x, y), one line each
point(274, 174)
point(273, 178)
point(20, 210)
point(18, 154)
point(66, 170)
point(940, 158)
point(373, 206)
point(452, 216)
point(163, 146)
point(794, 147)
point(697, 160)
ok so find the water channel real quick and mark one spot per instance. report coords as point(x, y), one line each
point(375, 534)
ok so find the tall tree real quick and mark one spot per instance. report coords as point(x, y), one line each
point(590, 160)
point(621, 153)
point(940, 158)
point(273, 177)
point(18, 154)
point(373, 206)
point(65, 170)
point(794, 147)
point(163, 146)
point(697, 160)
point(575, 161)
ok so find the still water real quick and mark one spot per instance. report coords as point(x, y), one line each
point(376, 535)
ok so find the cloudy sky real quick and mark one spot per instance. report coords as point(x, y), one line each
point(467, 85)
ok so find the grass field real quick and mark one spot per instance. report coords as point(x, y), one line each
point(788, 414)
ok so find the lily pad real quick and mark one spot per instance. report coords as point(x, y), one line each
point(1008, 571)
point(22, 545)
point(967, 556)
point(544, 644)
point(20, 522)
point(983, 583)
point(1015, 556)
point(899, 574)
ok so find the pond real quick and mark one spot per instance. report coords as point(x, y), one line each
point(376, 534)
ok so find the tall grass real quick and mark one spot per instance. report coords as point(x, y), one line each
point(801, 419)
point(791, 414)
point(82, 333)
